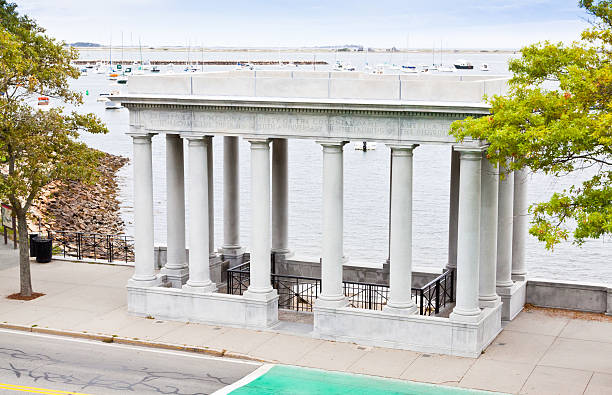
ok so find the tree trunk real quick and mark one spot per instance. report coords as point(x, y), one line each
point(25, 279)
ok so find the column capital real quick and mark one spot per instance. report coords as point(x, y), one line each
point(141, 137)
point(470, 152)
point(193, 136)
point(331, 143)
point(258, 141)
point(139, 132)
point(402, 149)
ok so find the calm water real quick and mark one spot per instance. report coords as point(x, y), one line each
point(366, 181)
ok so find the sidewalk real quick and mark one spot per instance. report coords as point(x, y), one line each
point(540, 352)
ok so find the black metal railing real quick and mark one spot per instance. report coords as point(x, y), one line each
point(366, 295)
point(97, 246)
point(299, 293)
point(296, 292)
point(437, 294)
point(239, 279)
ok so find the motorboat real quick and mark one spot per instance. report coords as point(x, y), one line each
point(155, 69)
point(445, 69)
point(484, 67)
point(123, 80)
point(43, 101)
point(463, 64)
point(102, 97)
point(408, 68)
point(339, 66)
point(113, 76)
point(112, 105)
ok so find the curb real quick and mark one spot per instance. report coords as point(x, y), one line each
point(133, 342)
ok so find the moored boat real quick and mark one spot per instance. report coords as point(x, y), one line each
point(463, 64)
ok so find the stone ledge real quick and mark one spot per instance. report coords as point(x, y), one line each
point(570, 295)
point(413, 332)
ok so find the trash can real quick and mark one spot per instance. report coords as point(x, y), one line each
point(44, 249)
point(32, 245)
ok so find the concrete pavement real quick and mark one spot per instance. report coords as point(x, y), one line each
point(30, 361)
point(540, 352)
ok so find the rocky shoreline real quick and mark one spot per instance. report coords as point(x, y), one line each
point(78, 207)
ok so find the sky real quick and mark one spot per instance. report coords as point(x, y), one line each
point(302, 23)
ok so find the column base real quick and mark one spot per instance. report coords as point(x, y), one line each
point(260, 295)
point(200, 288)
point(233, 254)
point(401, 310)
point(513, 299)
point(519, 276)
point(175, 276)
point(285, 253)
point(467, 316)
point(331, 303)
point(147, 282)
point(489, 301)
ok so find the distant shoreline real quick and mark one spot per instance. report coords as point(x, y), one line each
point(301, 50)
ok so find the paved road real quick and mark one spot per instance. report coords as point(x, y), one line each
point(90, 367)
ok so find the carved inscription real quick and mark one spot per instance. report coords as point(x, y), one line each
point(292, 124)
point(425, 129)
point(223, 121)
point(175, 120)
point(360, 126)
point(300, 124)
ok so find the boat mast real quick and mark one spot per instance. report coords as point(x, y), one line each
point(110, 54)
point(140, 47)
point(202, 68)
point(122, 50)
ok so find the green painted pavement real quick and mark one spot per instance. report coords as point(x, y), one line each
point(302, 381)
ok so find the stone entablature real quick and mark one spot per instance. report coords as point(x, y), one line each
point(374, 112)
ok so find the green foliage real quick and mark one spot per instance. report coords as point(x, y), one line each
point(38, 147)
point(557, 118)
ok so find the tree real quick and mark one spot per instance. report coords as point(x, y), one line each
point(557, 118)
point(37, 147)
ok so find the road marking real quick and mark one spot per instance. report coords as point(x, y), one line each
point(245, 380)
point(128, 347)
point(35, 390)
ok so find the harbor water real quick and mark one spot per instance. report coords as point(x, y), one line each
point(366, 177)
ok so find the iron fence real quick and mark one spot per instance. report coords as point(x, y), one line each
point(296, 292)
point(239, 279)
point(97, 246)
point(436, 294)
point(299, 293)
point(366, 295)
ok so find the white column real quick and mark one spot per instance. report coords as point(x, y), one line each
point(400, 257)
point(332, 292)
point(468, 237)
point(144, 265)
point(519, 225)
point(453, 209)
point(231, 197)
point(176, 262)
point(487, 294)
point(504, 230)
point(260, 286)
point(211, 197)
point(280, 197)
point(199, 269)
